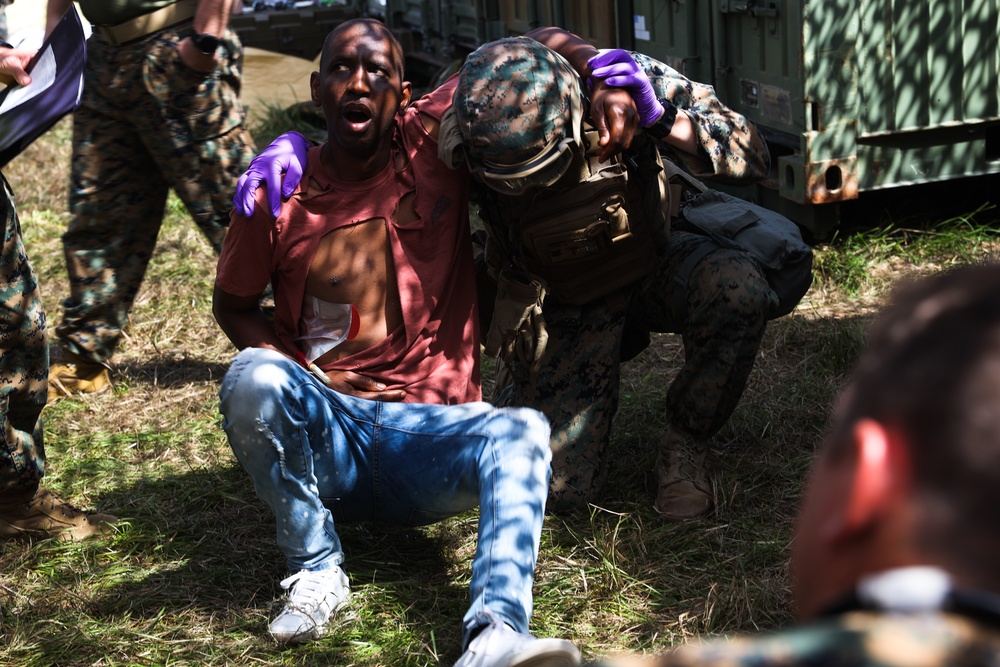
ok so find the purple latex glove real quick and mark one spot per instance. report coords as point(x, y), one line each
point(286, 155)
point(616, 68)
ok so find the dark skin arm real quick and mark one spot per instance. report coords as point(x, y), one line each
point(242, 320)
point(614, 117)
point(612, 112)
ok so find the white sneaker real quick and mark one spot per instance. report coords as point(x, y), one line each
point(313, 598)
point(498, 645)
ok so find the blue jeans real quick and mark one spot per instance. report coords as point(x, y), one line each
point(316, 456)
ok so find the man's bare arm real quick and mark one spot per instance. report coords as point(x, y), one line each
point(211, 18)
point(243, 322)
point(608, 114)
point(54, 11)
point(573, 48)
point(613, 112)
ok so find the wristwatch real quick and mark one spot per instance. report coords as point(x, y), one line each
point(661, 128)
point(205, 43)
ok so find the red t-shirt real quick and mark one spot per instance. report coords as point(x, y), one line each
point(434, 355)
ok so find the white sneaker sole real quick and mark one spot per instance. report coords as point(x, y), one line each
point(306, 634)
point(547, 652)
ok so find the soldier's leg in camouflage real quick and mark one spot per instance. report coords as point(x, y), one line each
point(24, 509)
point(721, 315)
point(577, 389)
point(117, 199)
point(204, 156)
point(25, 360)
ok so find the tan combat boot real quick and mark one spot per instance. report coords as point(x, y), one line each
point(683, 490)
point(46, 515)
point(76, 375)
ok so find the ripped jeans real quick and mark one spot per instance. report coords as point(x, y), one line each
point(317, 456)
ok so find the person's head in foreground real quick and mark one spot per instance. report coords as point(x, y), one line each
point(896, 556)
point(519, 109)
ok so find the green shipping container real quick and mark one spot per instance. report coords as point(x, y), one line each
point(851, 95)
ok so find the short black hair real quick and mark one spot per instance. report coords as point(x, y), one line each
point(932, 373)
point(375, 29)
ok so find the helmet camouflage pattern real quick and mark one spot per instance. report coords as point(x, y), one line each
point(514, 98)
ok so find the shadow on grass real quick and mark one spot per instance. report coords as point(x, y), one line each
point(170, 371)
point(195, 560)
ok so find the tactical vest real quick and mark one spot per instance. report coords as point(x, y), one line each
point(593, 238)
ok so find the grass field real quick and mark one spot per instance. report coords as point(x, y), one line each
point(191, 573)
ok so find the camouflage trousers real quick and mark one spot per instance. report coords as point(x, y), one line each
point(721, 316)
point(146, 124)
point(24, 364)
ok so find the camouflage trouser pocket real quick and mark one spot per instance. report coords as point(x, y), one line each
point(22, 464)
point(8, 449)
point(198, 104)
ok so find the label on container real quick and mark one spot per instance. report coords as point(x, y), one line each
point(639, 25)
point(776, 104)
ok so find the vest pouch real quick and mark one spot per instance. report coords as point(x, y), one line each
point(581, 241)
point(562, 242)
point(767, 236)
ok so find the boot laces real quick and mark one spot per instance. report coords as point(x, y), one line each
point(308, 589)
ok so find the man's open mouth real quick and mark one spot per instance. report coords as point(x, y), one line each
point(357, 115)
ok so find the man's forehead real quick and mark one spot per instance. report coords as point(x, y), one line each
point(363, 38)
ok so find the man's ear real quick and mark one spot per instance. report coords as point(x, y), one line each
point(404, 100)
point(314, 87)
point(878, 473)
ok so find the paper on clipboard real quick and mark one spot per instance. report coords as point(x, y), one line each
point(26, 112)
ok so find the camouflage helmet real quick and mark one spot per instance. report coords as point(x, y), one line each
point(518, 107)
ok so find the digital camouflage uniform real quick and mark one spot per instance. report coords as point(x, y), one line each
point(721, 316)
point(857, 639)
point(24, 365)
point(727, 300)
point(146, 124)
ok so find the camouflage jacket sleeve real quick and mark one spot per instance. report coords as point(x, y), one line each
point(854, 639)
point(729, 146)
